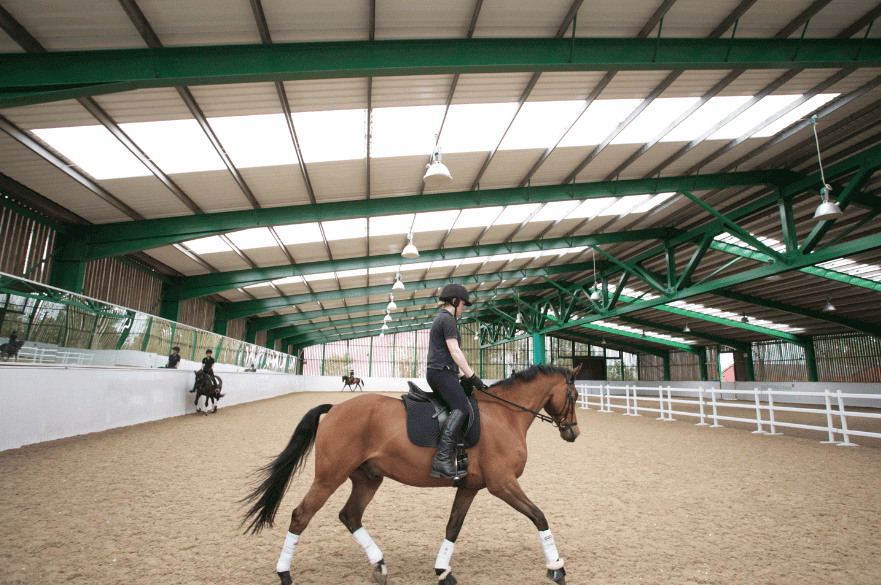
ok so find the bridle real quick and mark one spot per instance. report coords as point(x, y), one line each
point(562, 422)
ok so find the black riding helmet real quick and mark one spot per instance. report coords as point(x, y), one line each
point(455, 291)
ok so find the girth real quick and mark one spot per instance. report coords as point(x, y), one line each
point(426, 415)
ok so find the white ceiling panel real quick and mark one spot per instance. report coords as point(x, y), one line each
point(411, 90)
point(148, 195)
point(174, 258)
point(695, 18)
point(521, 18)
point(316, 20)
point(605, 18)
point(63, 114)
point(201, 22)
point(267, 256)
point(339, 180)
point(509, 167)
point(402, 19)
point(319, 95)
point(396, 176)
point(277, 186)
point(490, 88)
point(213, 191)
point(237, 99)
point(144, 105)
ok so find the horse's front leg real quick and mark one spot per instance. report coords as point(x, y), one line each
point(462, 502)
point(511, 493)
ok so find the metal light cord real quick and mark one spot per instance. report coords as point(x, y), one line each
point(819, 159)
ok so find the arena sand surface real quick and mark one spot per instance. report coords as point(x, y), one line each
point(633, 500)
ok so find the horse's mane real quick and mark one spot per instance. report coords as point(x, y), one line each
point(530, 374)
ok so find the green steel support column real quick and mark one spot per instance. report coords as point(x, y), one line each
point(195, 342)
point(147, 333)
point(538, 349)
point(347, 357)
point(220, 326)
point(219, 347)
point(667, 366)
point(122, 336)
point(748, 362)
point(171, 341)
point(250, 336)
point(68, 264)
point(701, 363)
point(169, 307)
point(415, 351)
point(811, 360)
point(638, 362)
point(370, 359)
point(323, 349)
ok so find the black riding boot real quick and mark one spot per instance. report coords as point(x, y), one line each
point(443, 464)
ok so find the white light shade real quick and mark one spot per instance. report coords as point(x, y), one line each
point(437, 174)
point(398, 284)
point(382, 333)
point(385, 326)
point(518, 318)
point(387, 317)
point(596, 295)
point(829, 306)
point(744, 319)
point(410, 250)
point(828, 210)
point(686, 329)
point(391, 305)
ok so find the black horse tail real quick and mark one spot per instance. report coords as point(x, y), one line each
point(267, 496)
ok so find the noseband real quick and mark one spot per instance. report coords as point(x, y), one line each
point(563, 422)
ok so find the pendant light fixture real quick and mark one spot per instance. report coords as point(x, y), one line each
point(829, 306)
point(595, 295)
point(387, 317)
point(391, 304)
point(385, 326)
point(827, 209)
point(686, 329)
point(399, 285)
point(410, 250)
point(436, 173)
point(744, 319)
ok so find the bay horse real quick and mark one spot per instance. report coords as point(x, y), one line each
point(352, 381)
point(365, 440)
point(204, 387)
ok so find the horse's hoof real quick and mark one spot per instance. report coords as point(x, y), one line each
point(380, 573)
point(557, 575)
point(286, 578)
point(446, 578)
point(215, 409)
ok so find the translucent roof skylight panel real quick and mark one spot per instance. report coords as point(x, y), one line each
point(652, 120)
point(255, 141)
point(435, 221)
point(225, 22)
point(171, 256)
point(396, 176)
point(758, 113)
point(300, 233)
point(386, 225)
point(209, 245)
point(555, 210)
point(176, 146)
point(345, 229)
point(319, 95)
point(800, 112)
point(475, 127)
point(540, 124)
point(404, 131)
point(477, 217)
point(708, 115)
point(95, 150)
point(330, 135)
point(591, 208)
point(342, 180)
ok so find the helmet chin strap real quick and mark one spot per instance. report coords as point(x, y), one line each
point(455, 303)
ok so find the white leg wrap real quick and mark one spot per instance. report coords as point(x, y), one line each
point(444, 555)
point(287, 553)
point(374, 555)
point(550, 550)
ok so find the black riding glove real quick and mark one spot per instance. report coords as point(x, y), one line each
point(477, 382)
point(467, 386)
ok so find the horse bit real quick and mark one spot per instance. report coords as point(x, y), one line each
point(563, 422)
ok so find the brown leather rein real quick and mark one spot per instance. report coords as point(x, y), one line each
point(563, 422)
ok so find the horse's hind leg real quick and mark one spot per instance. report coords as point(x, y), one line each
point(462, 502)
point(364, 486)
point(315, 498)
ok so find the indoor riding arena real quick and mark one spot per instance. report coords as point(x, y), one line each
point(661, 223)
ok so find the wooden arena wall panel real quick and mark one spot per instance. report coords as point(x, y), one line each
point(119, 283)
point(25, 246)
point(848, 358)
point(197, 313)
point(778, 361)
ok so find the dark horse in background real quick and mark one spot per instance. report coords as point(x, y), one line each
point(204, 387)
point(8, 350)
point(365, 440)
point(352, 382)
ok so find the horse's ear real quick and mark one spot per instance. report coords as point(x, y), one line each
point(574, 372)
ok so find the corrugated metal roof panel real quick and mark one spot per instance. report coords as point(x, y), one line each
point(402, 19)
point(316, 20)
point(605, 18)
point(30, 170)
point(396, 176)
point(508, 167)
point(224, 261)
point(213, 191)
point(171, 256)
point(633, 84)
point(148, 195)
point(338, 180)
point(490, 88)
point(272, 256)
point(696, 18)
point(521, 18)
point(276, 186)
point(414, 90)
point(319, 95)
point(559, 86)
point(201, 22)
point(144, 105)
point(238, 99)
point(61, 114)
point(87, 25)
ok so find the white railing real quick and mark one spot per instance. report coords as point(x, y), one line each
point(52, 355)
point(767, 409)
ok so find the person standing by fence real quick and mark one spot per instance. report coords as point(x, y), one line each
point(174, 358)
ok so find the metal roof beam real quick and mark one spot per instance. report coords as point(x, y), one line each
point(39, 77)
point(112, 239)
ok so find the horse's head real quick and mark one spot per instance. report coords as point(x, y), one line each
point(561, 405)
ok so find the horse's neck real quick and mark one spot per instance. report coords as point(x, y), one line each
point(530, 395)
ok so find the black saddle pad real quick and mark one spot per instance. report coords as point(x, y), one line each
point(423, 426)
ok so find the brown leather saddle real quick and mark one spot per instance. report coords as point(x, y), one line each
point(426, 415)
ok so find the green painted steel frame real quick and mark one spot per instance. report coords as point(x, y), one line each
point(35, 77)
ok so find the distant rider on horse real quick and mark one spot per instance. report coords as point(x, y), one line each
point(208, 368)
point(446, 363)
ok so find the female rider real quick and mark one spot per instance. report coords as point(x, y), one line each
point(446, 363)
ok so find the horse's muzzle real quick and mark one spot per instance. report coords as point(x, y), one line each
point(570, 433)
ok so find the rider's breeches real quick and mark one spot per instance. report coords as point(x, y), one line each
point(446, 383)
